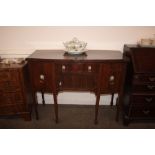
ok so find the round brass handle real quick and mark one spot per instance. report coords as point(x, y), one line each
point(60, 83)
point(112, 78)
point(63, 67)
point(42, 77)
point(89, 68)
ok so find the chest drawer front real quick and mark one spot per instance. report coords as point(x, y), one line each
point(12, 109)
point(112, 75)
point(9, 86)
point(143, 113)
point(9, 80)
point(11, 98)
point(4, 75)
point(147, 88)
point(143, 79)
point(143, 100)
point(9, 75)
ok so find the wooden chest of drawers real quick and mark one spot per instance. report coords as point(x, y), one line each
point(140, 83)
point(15, 94)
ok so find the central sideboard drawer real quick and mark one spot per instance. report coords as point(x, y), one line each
point(77, 67)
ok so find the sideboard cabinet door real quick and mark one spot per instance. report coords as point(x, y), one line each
point(111, 77)
point(42, 75)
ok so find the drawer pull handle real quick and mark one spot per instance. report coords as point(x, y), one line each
point(148, 99)
point(63, 67)
point(152, 79)
point(60, 83)
point(146, 112)
point(111, 78)
point(150, 87)
point(42, 77)
point(89, 68)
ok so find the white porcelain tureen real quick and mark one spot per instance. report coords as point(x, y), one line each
point(75, 46)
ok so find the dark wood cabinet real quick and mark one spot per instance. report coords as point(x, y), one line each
point(15, 92)
point(97, 71)
point(139, 100)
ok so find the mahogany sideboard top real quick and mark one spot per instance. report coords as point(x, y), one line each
point(93, 55)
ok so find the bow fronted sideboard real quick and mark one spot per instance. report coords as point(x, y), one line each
point(97, 71)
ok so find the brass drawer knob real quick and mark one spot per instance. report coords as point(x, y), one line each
point(42, 77)
point(60, 83)
point(111, 78)
point(63, 67)
point(89, 68)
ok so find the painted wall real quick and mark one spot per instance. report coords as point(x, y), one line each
point(22, 41)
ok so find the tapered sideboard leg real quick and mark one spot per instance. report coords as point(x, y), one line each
point(35, 103)
point(112, 98)
point(43, 98)
point(55, 107)
point(96, 108)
